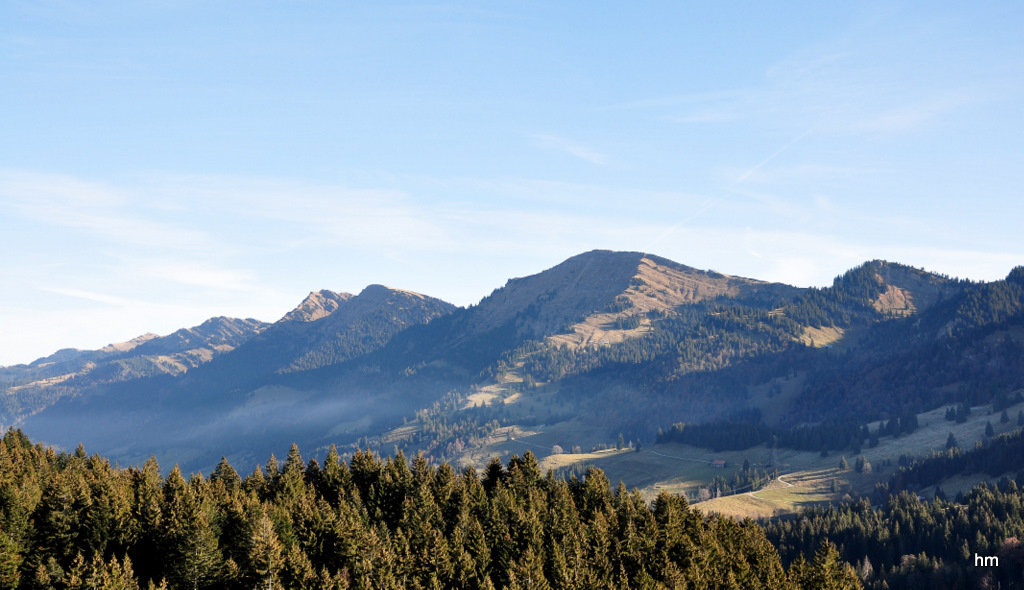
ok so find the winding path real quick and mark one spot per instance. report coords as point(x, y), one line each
point(778, 479)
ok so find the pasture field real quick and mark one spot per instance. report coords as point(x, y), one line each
point(806, 478)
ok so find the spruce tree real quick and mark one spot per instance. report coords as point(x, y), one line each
point(10, 562)
point(829, 572)
point(449, 531)
point(334, 478)
point(298, 571)
point(265, 553)
point(227, 475)
point(190, 547)
point(147, 510)
point(197, 557)
point(58, 526)
point(951, 441)
point(120, 575)
point(292, 482)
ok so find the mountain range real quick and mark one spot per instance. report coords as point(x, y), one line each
point(605, 345)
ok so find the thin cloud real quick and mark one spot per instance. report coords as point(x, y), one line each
point(838, 92)
point(300, 213)
point(96, 297)
point(112, 214)
point(567, 146)
point(915, 114)
point(20, 186)
point(544, 194)
point(197, 274)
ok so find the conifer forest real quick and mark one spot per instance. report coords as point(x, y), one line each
point(71, 520)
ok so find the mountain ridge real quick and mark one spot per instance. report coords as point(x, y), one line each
point(622, 341)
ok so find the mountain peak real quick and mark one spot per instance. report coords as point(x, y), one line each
point(596, 280)
point(316, 305)
point(566, 291)
point(376, 290)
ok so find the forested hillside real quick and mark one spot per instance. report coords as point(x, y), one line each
point(74, 521)
point(916, 544)
point(959, 344)
point(966, 349)
point(744, 369)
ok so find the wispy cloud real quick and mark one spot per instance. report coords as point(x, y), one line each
point(837, 91)
point(24, 186)
point(295, 212)
point(913, 114)
point(114, 215)
point(570, 147)
point(198, 274)
point(95, 297)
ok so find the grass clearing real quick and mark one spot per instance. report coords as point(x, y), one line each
point(806, 478)
point(823, 336)
point(811, 475)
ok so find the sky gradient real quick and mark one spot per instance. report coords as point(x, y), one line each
point(167, 162)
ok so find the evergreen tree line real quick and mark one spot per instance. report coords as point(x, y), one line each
point(827, 436)
point(744, 480)
point(718, 436)
point(71, 521)
point(994, 457)
point(913, 544)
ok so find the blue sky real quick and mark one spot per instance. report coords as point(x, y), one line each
point(166, 162)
